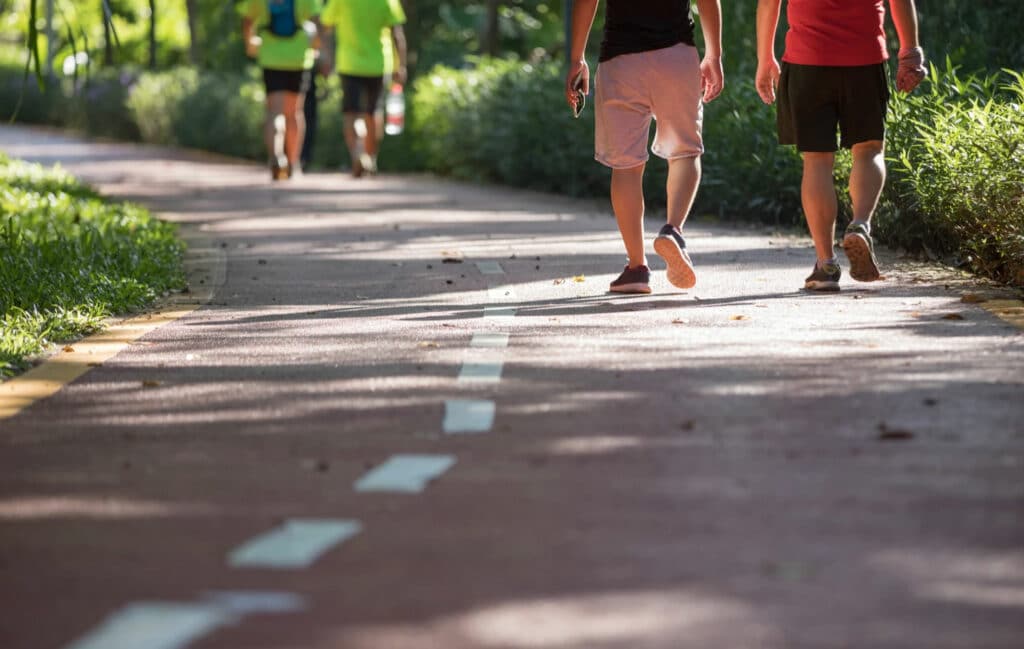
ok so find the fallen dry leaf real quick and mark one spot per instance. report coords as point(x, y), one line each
point(738, 317)
point(559, 281)
point(887, 434)
point(973, 298)
point(680, 321)
point(429, 344)
point(69, 348)
point(952, 316)
point(150, 384)
point(579, 279)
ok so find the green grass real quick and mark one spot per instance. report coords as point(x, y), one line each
point(69, 259)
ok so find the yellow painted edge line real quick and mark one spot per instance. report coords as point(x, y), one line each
point(202, 261)
point(1011, 311)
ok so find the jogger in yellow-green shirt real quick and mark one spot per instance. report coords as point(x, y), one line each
point(369, 36)
point(283, 36)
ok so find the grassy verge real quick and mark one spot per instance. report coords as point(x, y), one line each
point(69, 259)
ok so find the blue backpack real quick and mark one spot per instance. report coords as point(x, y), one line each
point(282, 18)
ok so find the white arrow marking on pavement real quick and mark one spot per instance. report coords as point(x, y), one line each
point(489, 340)
point(296, 544)
point(155, 625)
point(490, 268)
point(480, 372)
point(499, 312)
point(468, 416)
point(405, 473)
point(504, 292)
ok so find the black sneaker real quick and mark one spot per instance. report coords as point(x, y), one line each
point(824, 278)
point(670, 246)
point(861, 252)
point(632, 280)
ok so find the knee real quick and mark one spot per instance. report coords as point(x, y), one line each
point(869, 149)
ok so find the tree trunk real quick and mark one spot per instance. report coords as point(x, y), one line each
point(491, 38)
point(152, 34)
point(194, 50)
point(108, 46)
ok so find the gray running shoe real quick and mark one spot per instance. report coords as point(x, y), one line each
point(861, 252)
point(824, 278)
point(670, 246)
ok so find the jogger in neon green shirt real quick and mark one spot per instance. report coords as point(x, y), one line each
point(369, 35)
point(286, 61)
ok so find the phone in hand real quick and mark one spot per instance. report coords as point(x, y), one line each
point(581, 97)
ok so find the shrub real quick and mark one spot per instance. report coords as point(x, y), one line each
point(957, 162)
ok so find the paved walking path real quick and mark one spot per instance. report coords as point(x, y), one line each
point(411, 417)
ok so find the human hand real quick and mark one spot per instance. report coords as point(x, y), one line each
point(252, 46)
point(400, 75)
point(712, 79)
point(911, 70)
point(767, 79)
point(578, 78)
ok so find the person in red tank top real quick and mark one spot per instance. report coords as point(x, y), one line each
point(833, 77)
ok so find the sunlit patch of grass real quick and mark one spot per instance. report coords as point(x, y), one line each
point(69, 259)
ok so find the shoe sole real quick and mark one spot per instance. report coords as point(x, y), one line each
point(862, 263)
point(630, 288)
point(680, 273)
point(822, 286)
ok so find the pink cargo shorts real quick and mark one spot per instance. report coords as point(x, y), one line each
point(633, 88)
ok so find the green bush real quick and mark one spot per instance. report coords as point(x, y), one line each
point(68, 259)
point(956, 188)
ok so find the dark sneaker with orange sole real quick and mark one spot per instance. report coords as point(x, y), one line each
point(861, 252)
point(670, 246)
point(632, 280)
point(824, 278)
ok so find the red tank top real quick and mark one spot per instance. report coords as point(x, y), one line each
point(835, 32)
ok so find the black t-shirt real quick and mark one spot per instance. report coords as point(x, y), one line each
point(632, 26)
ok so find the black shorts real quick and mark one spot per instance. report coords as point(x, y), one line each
point(360, 94)
point(815, 99)
point(296, 81)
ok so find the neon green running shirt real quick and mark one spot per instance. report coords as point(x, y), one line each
point(276, 52)
point(362, 31)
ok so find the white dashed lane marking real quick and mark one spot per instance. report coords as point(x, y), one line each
point(489, 340)
point(490, 268)
point(155, 625)
point(498, 312)
point(173, 625)
point(295, 544)
point(468, 416)
point(472, 372)
point(405, 473)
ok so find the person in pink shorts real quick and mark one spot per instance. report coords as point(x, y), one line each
point(649, 69)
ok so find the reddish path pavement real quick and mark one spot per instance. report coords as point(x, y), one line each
point(684, 470)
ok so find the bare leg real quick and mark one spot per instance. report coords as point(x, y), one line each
point(818, 193)
point(352, 142)
point(866, 179)
point(681, 188)
point(275, 106)
point(628, 204)
point(294, 126)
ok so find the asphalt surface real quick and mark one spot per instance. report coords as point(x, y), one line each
point(741, 465)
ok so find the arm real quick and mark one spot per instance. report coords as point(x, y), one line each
point(768, 72)
point(326, 49)
point(712, 79)
point(911, 70)
point(398, 36)
point(249, 37)
point(583, 12)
